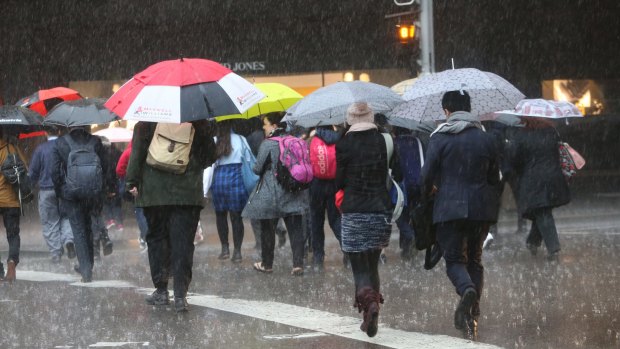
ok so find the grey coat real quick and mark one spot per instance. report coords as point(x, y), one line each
point(269, 199)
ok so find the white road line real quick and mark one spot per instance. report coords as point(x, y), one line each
point(291, 315)
point(296, 336)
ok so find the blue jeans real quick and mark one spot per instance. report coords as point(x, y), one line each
point(322, 199)
point(141, 220)
point(56, 229)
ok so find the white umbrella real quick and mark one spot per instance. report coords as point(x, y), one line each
point(328, 105)
point(488, 92)
point(115, 134)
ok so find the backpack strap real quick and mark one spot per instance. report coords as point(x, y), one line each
point(389, 145)
point(421, 151)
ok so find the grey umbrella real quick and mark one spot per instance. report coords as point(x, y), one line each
point(81, 112)
point(488, 92)
point(328, 105)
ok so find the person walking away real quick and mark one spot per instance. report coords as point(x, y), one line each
point(121, 172)
point(78, 167)
point(113, 203)
point(322, 191)
point(55, 225)
point(362, 172)
point(271, 201)
point(10, 209)
point(462, 163)
point(533, 152)
point(169, 189)
point(227, 189)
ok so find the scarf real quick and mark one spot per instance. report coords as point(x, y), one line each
point(362, 126)
point(459, 121)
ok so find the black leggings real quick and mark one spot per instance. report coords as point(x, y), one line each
point(221, 222)
point(365, 266)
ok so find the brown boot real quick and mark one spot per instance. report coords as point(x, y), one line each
point(368, 300)
point(10, 271)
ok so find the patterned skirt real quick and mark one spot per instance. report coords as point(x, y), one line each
point(365, 231)
point(227, 188)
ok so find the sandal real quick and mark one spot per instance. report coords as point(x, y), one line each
point(259, 266)
point(297, 271)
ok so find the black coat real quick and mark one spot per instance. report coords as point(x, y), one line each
point(361, 159)
point(465, 169)
point(535, 161)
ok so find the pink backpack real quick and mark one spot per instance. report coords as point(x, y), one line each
point(323, 159)
point(293, 170)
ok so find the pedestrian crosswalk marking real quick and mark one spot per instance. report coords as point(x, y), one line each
point(290, 315)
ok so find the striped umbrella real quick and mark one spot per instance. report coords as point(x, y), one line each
point(183, 90)
point(43, 101)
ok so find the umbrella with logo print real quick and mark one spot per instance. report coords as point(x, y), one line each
point(183, 90)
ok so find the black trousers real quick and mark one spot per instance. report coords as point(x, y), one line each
point(295, 234)
point(461, 242)
point(543, 228)
point(10, 216)
point(79, 214)
point(322, 200)
point(170, 243)
point(221, 222)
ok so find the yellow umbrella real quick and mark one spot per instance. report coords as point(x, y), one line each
point(279, 98)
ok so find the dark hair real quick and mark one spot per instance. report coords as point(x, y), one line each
point(223, 147)
point(52, 130)
point(275, 118)
point(456, 101)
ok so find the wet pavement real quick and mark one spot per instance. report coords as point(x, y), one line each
point(528, 302)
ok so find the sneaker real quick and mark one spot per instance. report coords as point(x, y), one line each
point(488, 241)
point(110, 224)
point(159, 297)
point(70, 246)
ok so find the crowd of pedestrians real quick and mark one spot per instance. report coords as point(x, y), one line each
point(454, 166)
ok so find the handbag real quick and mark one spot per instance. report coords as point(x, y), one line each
point(250, 179)
point(570, 160)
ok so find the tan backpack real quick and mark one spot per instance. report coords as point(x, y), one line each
point(170, 147)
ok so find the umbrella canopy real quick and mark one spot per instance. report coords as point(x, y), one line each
point(542, 108)
point(488, 92)
point(402, 86)
point(82, 112)
point(19, 116)
point(115, 134)
point(43, 101)
point(328, 105)
point(278, 98)
point(183, 90)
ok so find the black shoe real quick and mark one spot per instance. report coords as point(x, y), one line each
point(554, 257)
point(236, 257)
point(108, 246)
point(463, 310)
point(159, 297)
point(76, 268)
point(56, 259)
point(70, 249)
point(225, 254)
point(180, 304)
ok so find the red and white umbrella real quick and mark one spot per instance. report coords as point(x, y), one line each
point(183, 90)
point(543, 108)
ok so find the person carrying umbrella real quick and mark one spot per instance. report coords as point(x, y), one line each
point(462, 170)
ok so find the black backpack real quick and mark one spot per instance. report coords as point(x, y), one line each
point(84, 175)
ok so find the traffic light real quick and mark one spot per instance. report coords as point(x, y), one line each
point(406, 33)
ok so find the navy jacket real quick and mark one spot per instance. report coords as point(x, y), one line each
point(41, 165)
point(464, 167)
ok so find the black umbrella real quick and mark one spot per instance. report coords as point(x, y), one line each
point(20, 119)
point(81, 112)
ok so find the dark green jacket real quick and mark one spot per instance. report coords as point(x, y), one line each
point(159, 188)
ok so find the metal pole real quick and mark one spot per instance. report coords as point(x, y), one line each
point(426, 37)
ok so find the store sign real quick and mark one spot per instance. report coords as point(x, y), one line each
point(240, 67)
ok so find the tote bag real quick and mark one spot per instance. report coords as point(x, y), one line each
point(247, 164)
